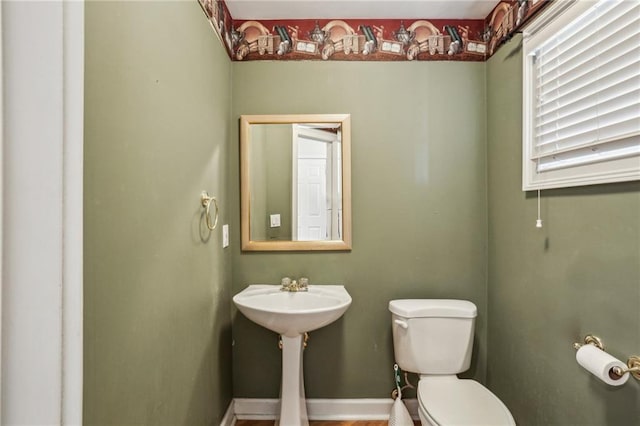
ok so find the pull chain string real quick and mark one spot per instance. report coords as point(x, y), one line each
point(539, 220)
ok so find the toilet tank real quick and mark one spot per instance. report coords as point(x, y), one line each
point(433, 336)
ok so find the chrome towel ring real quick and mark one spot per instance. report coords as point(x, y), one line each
point(206, 200)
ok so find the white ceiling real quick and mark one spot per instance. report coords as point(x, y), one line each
point(355, 9)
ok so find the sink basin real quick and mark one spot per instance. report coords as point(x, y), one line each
point(293, 313)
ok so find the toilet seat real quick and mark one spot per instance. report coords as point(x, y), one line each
point(447, 400)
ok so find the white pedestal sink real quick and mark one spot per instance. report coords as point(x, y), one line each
point(291, 314)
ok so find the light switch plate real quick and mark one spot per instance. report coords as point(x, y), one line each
point(275, 220)
point(225, 236)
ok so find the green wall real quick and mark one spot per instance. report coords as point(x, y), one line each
point(278, 154)
point(419, 212)
point(279, 157)
point(549, 287)
point(270, 164)
point(258, 181)
point(157, 284)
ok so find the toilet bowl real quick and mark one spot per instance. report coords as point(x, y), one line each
point(434, 338)
point(448, 400)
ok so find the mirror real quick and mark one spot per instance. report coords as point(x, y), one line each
point(295, 182)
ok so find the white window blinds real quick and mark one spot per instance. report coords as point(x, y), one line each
point(585, 93)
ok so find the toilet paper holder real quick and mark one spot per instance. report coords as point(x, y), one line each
point(633, 362)
point(590, 339)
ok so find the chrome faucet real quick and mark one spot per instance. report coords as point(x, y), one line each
point(294, 286)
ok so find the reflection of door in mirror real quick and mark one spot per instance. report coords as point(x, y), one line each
point(316, 194)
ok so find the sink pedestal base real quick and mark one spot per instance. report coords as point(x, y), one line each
point(293, 407)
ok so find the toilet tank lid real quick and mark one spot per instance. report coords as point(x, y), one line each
point(442, 308)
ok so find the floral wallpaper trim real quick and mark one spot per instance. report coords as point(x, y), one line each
point(369, 39)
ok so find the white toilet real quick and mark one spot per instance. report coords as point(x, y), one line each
point(434, 338)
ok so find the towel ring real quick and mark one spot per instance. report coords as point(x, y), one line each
point(206, 200)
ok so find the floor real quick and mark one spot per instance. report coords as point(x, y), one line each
point(320, 423)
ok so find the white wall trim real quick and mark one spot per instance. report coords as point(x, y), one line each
point(72, 238)
point(323, 409)
point(229, 418)
point(1, 198)
point(42, 150)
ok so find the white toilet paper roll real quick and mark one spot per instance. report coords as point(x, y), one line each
point(600, 363)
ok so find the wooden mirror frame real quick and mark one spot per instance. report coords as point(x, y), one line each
point(245, 191)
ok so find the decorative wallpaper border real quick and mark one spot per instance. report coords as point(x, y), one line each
point(370, 39)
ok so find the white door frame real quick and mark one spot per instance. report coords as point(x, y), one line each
point(334, 168)
point(1, 198)
point(41, 303)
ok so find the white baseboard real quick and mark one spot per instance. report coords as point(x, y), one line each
point(322, 409)
point(229, 418)
point(255, 408)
